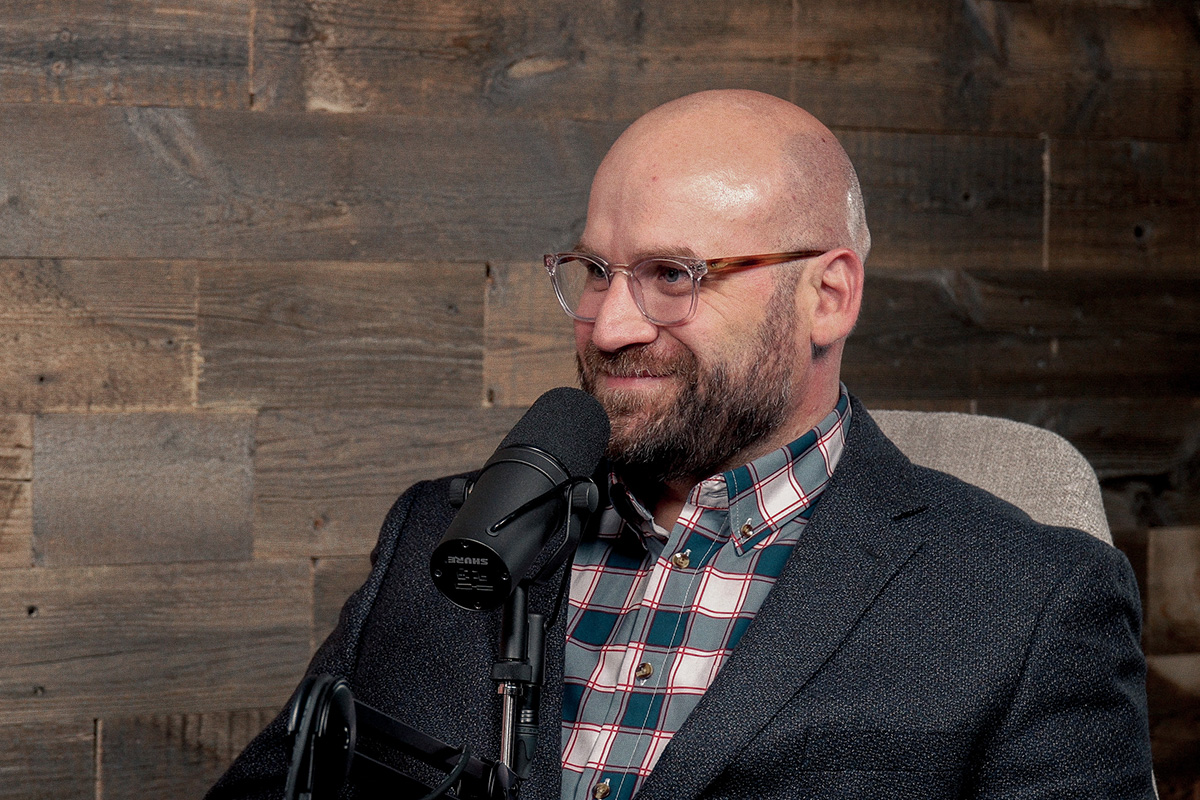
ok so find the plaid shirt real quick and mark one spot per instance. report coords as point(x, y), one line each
point(654, 614)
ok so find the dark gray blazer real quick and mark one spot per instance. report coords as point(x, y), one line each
point(925, 640)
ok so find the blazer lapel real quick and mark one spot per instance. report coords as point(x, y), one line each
point(861, 533)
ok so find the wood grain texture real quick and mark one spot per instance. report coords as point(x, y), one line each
point(979, 334)
point(173, 755)
point(16, 506)
point(138, 488)
point(86, 642)
point(1173, 691)
point(998, 67)
point(341, 335)
point(334, 580)
point(172, 183)
point(950, 201)
point(96, 334)
point(1125, 204)
point(1173, 591)
point(529, 341)
point(324, 480)
point(48, 760)
point(132, 52)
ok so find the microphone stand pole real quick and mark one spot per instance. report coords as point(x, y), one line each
point(518, 671)
point(519, 667)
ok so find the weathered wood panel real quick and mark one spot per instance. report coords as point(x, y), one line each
point(530, 344)
point(1125, 204)
point(16, 472)
point(334, 580)
point(1173, 593)
point(341, 335)
point(85, 642)
point(979, 334)
point(1173, 691)
point(1105, 69)
point(173, 755)
point(133, 52)
point(950, 201)
point(130, 488)
point(48, 760)
point(95, 334)
point(172, 183)
point(324, 480)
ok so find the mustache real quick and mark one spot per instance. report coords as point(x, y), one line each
point(636, 362)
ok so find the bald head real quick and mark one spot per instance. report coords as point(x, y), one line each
point(746, 157)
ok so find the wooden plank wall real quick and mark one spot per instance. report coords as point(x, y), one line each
point(264, 263)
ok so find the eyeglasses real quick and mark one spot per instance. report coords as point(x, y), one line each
point(664, 287)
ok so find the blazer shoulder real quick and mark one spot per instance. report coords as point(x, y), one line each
point(960, 514)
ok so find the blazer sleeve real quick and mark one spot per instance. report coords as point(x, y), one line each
point(1077, 725)
point(260, 772)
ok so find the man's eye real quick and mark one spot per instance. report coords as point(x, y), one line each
point(667, 273)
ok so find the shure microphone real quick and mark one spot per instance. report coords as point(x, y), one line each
point(520, 499)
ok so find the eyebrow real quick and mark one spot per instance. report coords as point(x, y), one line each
point(677, 251)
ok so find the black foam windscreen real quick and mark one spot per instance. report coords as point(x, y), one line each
point(569, 424)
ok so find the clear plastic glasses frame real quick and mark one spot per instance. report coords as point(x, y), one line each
point(659, 289)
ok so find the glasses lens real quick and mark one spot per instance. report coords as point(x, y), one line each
point(667, 289)
point(581, 283)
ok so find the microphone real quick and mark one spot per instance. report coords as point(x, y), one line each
point(520, 497)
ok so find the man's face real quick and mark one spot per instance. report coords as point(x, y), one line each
point(685, 400)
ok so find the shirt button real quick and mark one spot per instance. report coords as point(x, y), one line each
point(601, 790)
point(644, 670)
point(682, 560)
point(746, 528)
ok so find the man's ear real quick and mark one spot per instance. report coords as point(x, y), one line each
point(837, 281)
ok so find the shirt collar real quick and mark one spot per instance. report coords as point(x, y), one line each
point(760, 496)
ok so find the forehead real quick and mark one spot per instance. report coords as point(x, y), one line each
point(700, 198)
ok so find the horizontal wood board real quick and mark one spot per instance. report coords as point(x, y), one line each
point(88, 642)
point(1125, 204)
point(96, 335)
point(137, 488)
point(16, 504)
point(174, 183)
point(978, 334)
point(1106, 69)
point(1173, 591)
point(341, 335)
point(173, 755)
point(48, 760)
point(324, 480)
point(133, 53)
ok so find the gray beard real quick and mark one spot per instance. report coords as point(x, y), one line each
point(720, 411)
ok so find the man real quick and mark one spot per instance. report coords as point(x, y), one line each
point(776, 602)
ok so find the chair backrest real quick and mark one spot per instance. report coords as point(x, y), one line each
point(1032, 468)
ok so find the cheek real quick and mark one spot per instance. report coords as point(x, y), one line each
point(583, 335)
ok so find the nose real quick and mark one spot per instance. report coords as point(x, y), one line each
point(619, 323)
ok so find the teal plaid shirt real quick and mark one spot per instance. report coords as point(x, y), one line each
point(654, 614)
